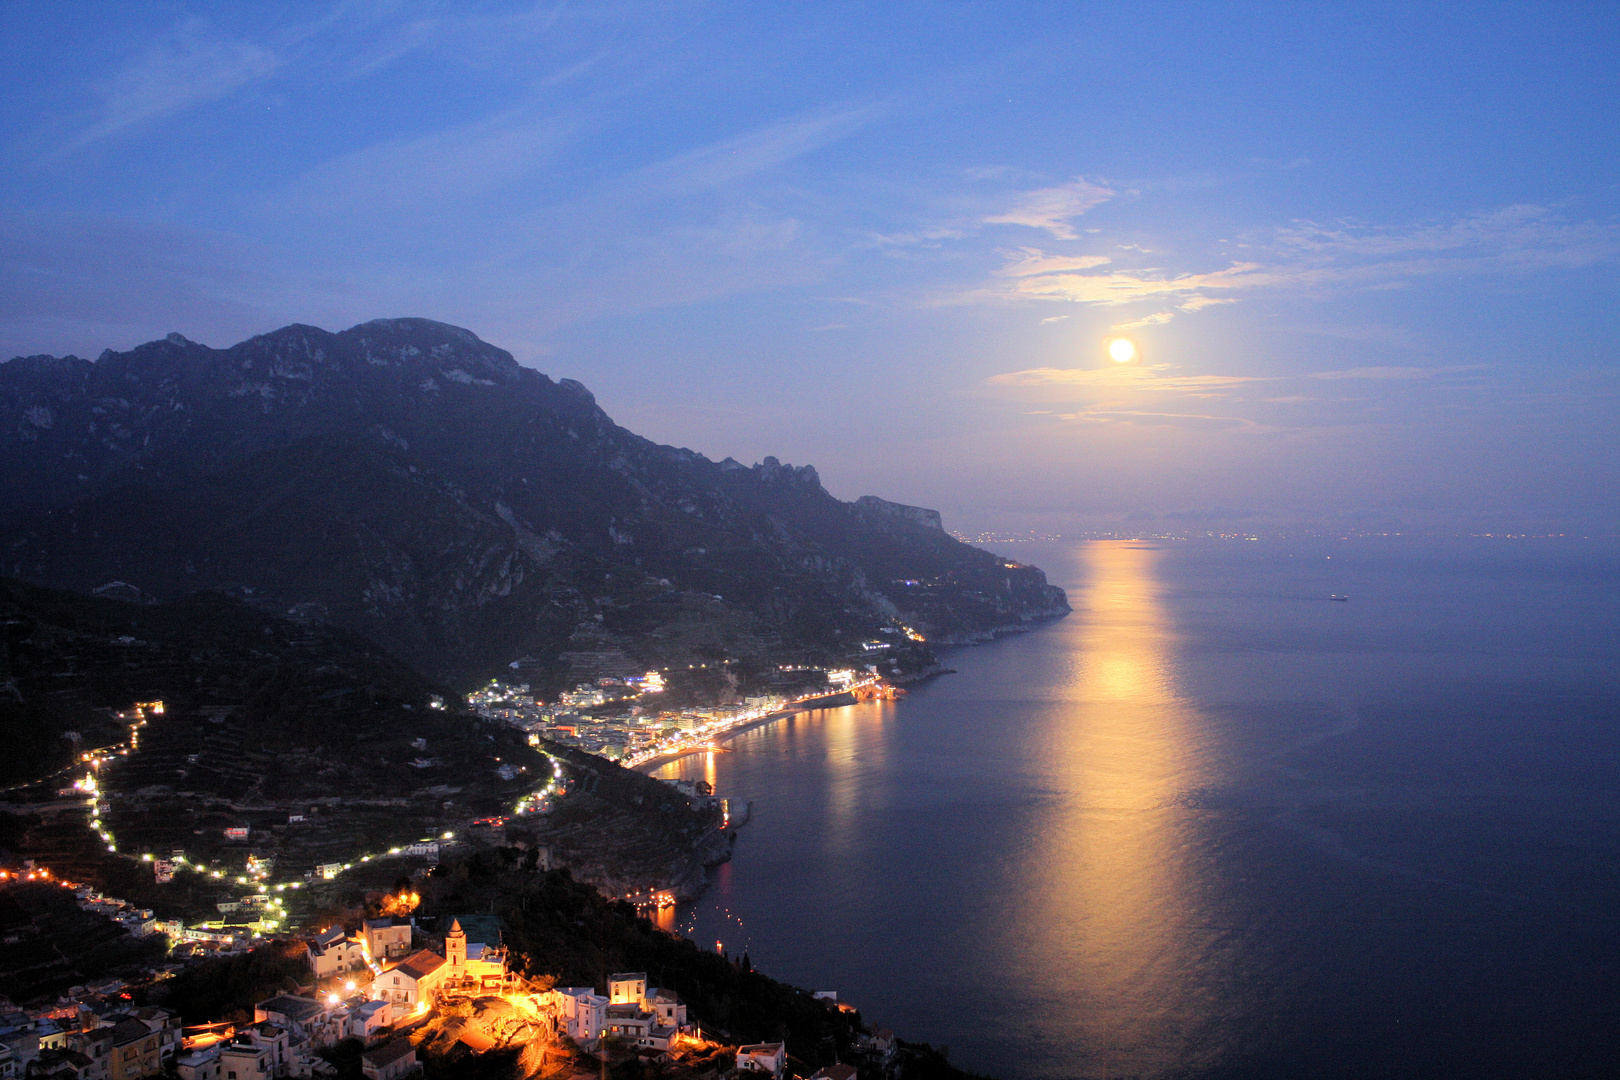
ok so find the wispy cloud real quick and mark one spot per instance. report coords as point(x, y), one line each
point(1162, 395)
point(1309, 257)
point(763, 148)
point(1518, 226)
point(1027, 261)
point(1124, 287)
point(1053, 208)
point(448, 166)
point(1155, 319)
point(920, 238)
point(186, 67)
point(1387, 373)
point(1189, 421)
point(1199, 303)
point(1119, 377)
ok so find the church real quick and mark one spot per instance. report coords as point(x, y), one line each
point(464, 968)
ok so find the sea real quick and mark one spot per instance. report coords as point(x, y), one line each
point(1216, 824)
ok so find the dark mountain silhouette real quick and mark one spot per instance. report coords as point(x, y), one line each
point(407, 481)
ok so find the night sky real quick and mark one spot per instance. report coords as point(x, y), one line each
point(1367, 252)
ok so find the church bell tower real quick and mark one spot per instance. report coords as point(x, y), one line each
point(455, 947)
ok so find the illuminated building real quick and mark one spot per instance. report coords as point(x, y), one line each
point(416, 979)
point(388, 938)
point(334, 952)
point(583, 1013)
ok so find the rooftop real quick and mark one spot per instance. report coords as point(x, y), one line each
point(295, 1009)
point(388, 1053)
point(419, 964)
point(128, 1031)
point(835, 1072)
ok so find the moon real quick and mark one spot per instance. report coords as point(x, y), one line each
point(1122, 350)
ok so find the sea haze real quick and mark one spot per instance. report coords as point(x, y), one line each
point(1215, 824)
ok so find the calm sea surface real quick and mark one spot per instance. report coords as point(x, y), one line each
point(1215, 825)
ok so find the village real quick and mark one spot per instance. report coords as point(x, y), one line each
point(618, 716)
point(399, 989)
point(384, 992)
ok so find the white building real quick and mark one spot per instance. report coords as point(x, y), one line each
point(770, 1058)
point(368, 1020)
point(627, 986)
point(200, 1065)
point(581, 1011)
point(667, 1006)
point(334, 952)
point(246, 1061)
point(415, 979)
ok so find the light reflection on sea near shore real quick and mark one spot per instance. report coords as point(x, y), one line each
point(1116, 913)
point(855, 750)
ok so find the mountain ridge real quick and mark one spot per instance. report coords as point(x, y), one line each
point(407, 480)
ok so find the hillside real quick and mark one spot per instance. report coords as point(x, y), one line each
point(264, 720)
point(409, 482)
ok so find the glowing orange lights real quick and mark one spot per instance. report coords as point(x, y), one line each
point(402, 903)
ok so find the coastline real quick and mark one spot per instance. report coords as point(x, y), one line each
point(647, 767)
point(828, 701)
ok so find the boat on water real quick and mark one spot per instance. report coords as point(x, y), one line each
point(1336, 596)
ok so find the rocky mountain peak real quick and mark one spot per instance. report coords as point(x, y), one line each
point(422, 488)
point(772, 471)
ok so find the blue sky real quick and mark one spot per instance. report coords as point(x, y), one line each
point(1368, 252)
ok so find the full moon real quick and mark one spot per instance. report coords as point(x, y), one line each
point(1121, 351)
